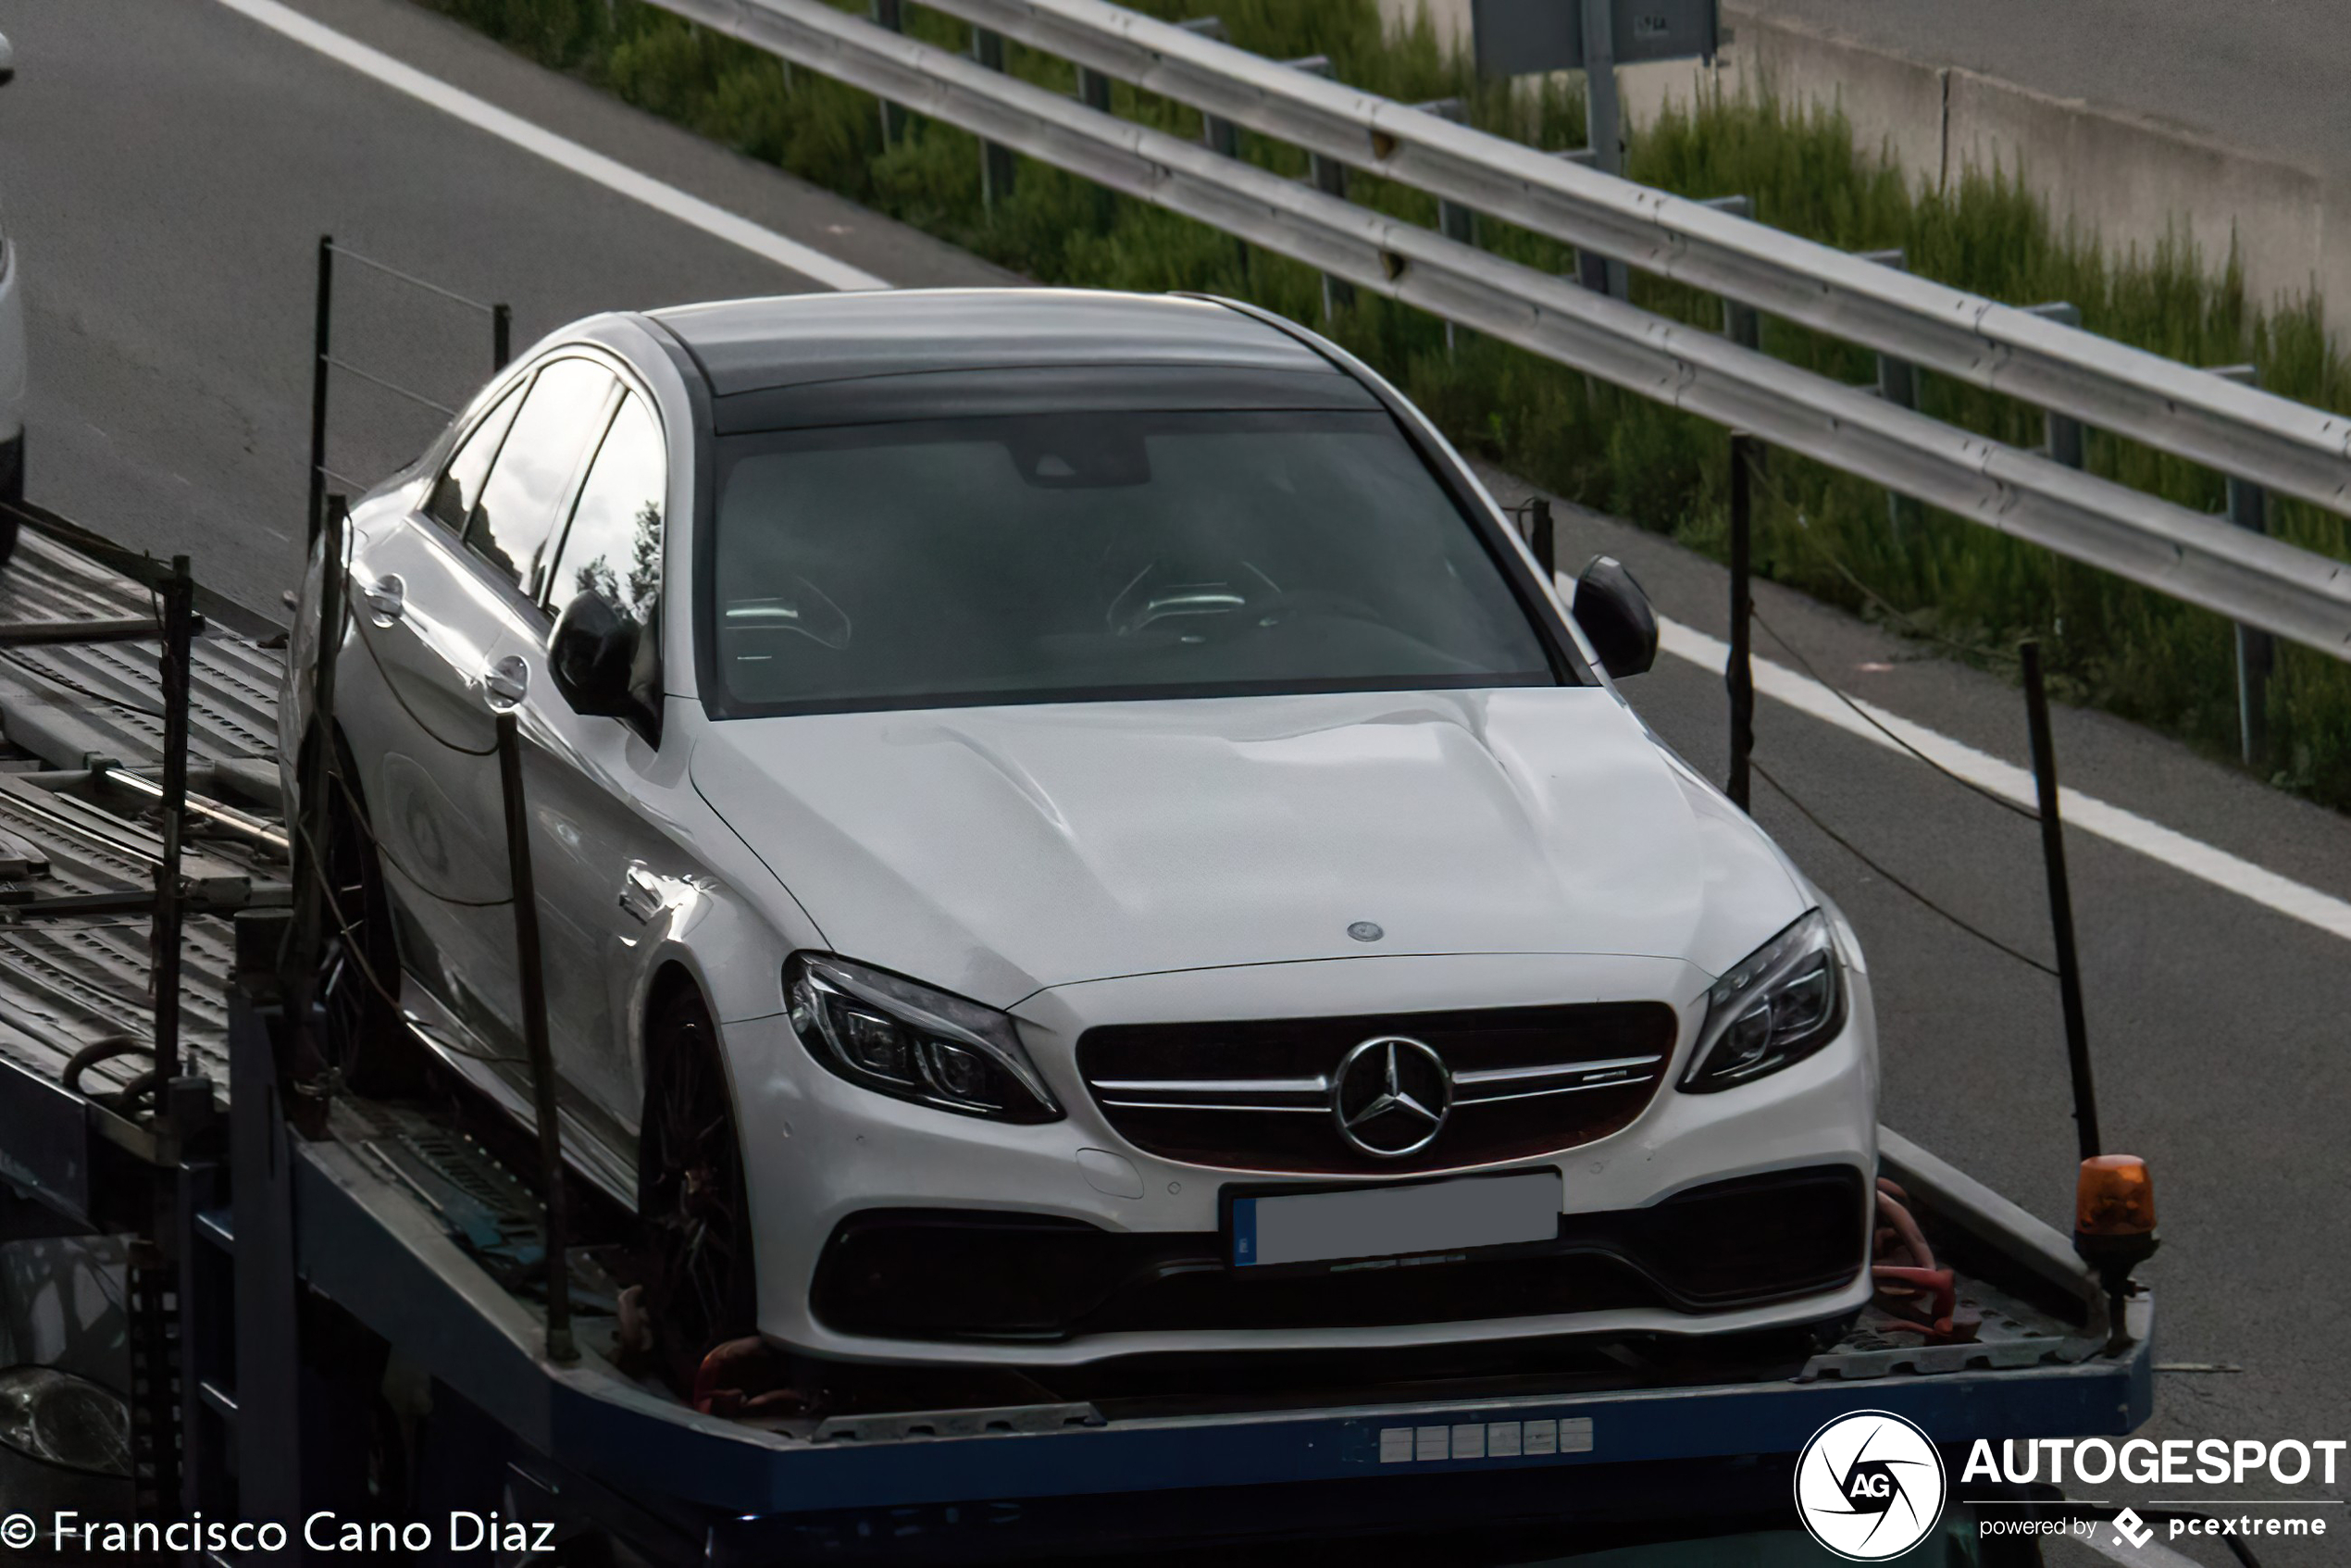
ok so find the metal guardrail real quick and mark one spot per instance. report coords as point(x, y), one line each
point(2285, 446)
point(2201, 560)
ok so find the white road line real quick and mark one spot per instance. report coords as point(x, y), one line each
point(668, 200)
point(2085, 812)
point(2091, 815)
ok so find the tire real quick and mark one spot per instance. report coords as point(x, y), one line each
point(692, 1198)
point(359, 958)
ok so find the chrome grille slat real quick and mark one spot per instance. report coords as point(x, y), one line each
point(1248, 1094)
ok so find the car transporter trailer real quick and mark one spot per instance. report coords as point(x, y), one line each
point(339, 1306)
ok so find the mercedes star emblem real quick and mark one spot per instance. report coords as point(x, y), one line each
point(1391, 1096)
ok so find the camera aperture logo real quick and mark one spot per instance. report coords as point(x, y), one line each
point(1870, 1486)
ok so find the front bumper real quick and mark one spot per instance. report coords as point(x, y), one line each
point(1102, 1226)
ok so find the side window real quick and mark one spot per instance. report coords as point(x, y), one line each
point(614, 547)
point(459, 489)
point(516, 518)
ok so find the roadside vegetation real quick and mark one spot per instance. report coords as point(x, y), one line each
point(1955, 583)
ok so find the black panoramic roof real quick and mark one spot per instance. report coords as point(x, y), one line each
point(803, 340)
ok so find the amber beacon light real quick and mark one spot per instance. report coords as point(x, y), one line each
point(2114, 1219)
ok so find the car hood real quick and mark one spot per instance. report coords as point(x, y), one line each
point(997, 851)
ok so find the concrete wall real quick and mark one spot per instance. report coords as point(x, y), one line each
point(2130, 179)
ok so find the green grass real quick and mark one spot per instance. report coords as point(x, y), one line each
point(2106, 642)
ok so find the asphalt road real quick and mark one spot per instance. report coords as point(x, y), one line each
point(2265, 76)
point(167, 169)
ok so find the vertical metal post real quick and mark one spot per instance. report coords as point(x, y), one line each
point(2045, 780)
point(1456, 222)
point(1741, 323)
point(1328, 176)
point(1739, 676)
point(501, 337)
point(179, 631)
point(321, 346)
point(1542, 538)
point(2064, 431)
point(887, 13)
point(298, 967)
point(1897, 383)
point(534, 1033)
point(266, 1459)
point(1603, 132)
point(1093, 91)
point(995, 162)
point(1223, 138)
point(2257, 651)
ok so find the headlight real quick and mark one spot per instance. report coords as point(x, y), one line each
point(66, 1420)
point(896, 1038)
point(1777, 1005)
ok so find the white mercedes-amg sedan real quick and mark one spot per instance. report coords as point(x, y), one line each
point(1069, 826)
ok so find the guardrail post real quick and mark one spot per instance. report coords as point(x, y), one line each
point(1454, 221)
point(1738, 674)
point(1604, 133)
point(995, 162)
point(1093, 91)
point(179, 597)
point(888, 14)
point(2069, 963)
point(1897, 383)
point(1222, 137)
point(2064, 432)
point(525, 891)
point(321, 341)
point(1328, 176)
point(1743, 324)
point(2257, 651)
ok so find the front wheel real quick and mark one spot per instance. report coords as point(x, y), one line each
point(692, 1198)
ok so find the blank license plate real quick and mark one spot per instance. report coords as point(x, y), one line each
point(1394, 1222)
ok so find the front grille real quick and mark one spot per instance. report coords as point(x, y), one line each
point(1261, 1094)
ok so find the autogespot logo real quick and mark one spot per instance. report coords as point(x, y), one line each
point(1869, 1486)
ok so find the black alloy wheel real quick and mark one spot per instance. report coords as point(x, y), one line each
point(692, 1198)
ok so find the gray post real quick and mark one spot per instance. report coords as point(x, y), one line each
point(1223, 138)
point(995, 162)
point(1604, 130)
point(2064, 431)
point(1328, 176)
point(886, 12)
point(176, 667)
point(1897, 383)
point(1454, 221)
point(1093, 91)
point(2257, 651)
point(1741, 323)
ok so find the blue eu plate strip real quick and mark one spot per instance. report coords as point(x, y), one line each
point(1244, 1231)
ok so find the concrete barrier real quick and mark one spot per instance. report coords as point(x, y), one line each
point(2132, 182)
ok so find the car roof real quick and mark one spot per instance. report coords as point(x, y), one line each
point(755, 345)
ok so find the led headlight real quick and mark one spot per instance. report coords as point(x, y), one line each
point(900, 1038)
point(1775, 1007)
point(66, 1420)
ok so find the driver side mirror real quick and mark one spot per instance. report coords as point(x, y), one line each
point(1615, 616)
point(592, 658)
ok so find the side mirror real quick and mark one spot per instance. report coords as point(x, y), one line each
point(1616, 617)
point(592, 658)
point(7, 62)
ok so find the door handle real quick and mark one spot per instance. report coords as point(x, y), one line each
point(641, 892)
point(508, 681)
point(387, 597)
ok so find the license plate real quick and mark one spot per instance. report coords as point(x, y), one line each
point(1396, 1222)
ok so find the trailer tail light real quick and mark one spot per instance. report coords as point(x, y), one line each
point(2114, 1197)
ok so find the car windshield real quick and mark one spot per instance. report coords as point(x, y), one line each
point(1073, 556)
